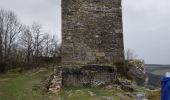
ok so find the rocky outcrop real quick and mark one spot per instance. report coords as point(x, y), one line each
point(126, 85)
point(137, 95)
point(137, 73)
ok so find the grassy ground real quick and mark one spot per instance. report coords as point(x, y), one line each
point(83, 94)
point(15, 86)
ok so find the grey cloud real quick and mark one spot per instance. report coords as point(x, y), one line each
point(146, 29)
point(46, 12)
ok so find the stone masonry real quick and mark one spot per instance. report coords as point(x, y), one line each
point(89, 75)
point(91, 30)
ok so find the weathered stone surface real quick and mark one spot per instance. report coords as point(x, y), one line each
point(106, 98)
point(132, 96)
point(126, 85)
point(91, 30)
point(91, 93)
point(89, 75)
point(137, 73)
point(137, 95)
point(56, 80)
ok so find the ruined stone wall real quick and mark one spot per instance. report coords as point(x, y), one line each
point(86, 75)
point(91, 30)
point(89, 75)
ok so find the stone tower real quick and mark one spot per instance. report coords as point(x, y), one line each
point(91, 30)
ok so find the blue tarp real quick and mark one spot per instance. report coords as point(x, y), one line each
point(165, 93)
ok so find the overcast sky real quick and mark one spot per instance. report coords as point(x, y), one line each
point(146, 24)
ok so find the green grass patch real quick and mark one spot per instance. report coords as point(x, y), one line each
point(15, 86)
point(73, 93)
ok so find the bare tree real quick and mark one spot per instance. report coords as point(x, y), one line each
point(1, 33)
point(54, 47)
point(9, 28)
point(27, 42)
point(38, 39)
point(14, 29)
point(24, 44)
point(47, 44)
point(130, 54)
